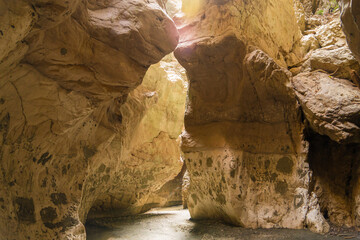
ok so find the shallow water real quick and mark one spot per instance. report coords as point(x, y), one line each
point(175, 224)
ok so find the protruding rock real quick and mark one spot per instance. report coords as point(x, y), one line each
point(331, 105)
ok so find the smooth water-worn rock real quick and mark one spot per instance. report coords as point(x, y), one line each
point(70, 120)
point(243, 141)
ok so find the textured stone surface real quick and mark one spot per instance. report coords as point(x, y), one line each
point(331, 105)
point(231, 157)
point(207, 19)
point(338, 62)
point(337, 184)
point(350, 14)
point(330, 33)
point(309, 42)
point(71, 123)
point(300, 14)
point(243, 130)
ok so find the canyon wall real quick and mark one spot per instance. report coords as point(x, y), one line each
point(243, 141)
point(255, 133)
point(75, 135)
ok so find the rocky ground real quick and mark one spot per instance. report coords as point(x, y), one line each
point(175, 224)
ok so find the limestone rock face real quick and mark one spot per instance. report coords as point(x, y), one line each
point(330, 34)
point(339, 62)
point(71, 137)
point(243, 142)
point(209, 19)
point(331, 105)
point(152, 152)
point(350, 14)
point(300, 14)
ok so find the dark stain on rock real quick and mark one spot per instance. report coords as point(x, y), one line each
point(80, 186)
point(285, 165)
point(88, 152)
point(44, 182)
point(58, 198)
point(194, 197)
point(44, 158)
point(101, 168)
point(2, 101)
point(221, 199)
point(64, 170)
point(12, 183)
point(267, 164)
point(105, 178)
point(209, 162)
point(298, 201)
point(63, 51)
point(48, 214)
point(273, 177)
point(281, 188)
point(25, 209)
point(65, 223)
point(4, 126)
point(253, 178)
point(301, 173)
point(1, 32)
point(232, 173)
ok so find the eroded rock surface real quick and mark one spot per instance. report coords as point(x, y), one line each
point(331, 105)
point(350, 14)
point(70, 119)
point(243, 142)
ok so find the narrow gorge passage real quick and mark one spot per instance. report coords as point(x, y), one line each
point(175, 224)
point(179, 119)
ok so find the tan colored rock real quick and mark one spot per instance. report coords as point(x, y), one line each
point(206, 19)
point(170, 194)
point(315, 221)
point(350, 13)
point(185, 189)
point(331, 34)
point(70, 136)
point(153, 144)
point(309, 42)
point(338, 62)
point(331, 105)
point(300, 14)
point(243, 142)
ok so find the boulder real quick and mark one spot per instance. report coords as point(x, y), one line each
point(338, 62)
point(331, 105)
